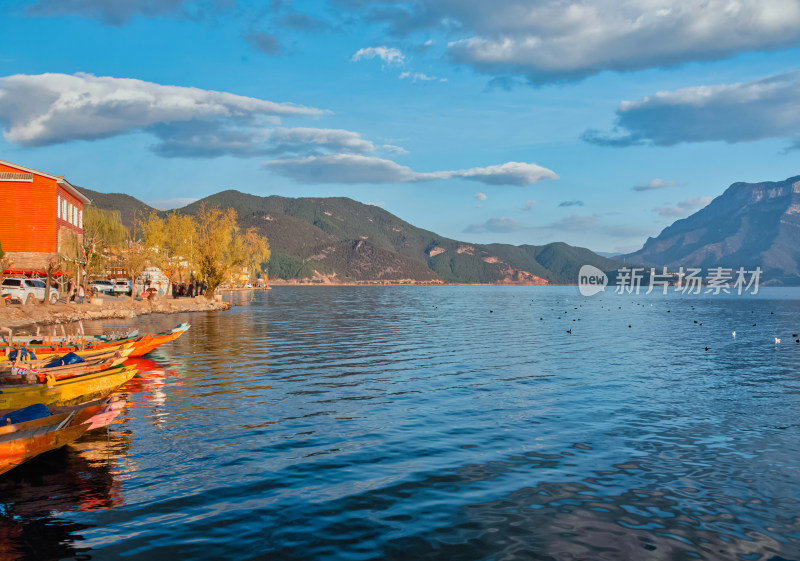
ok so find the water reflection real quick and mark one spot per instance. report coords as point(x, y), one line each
point(36, 496)
point(413, 423)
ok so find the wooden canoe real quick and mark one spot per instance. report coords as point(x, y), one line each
point(22, 441)
point(28, 375)
point(123, 349)
point(66, 392)
point(141, 344)
point(20, 446)
point(144, 347)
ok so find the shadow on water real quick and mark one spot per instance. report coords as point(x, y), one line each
point(37, 497)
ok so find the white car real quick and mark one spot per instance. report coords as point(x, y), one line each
point(122, 287)
point(25, 290)
point(102, 285)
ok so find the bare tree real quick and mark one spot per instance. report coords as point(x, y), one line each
point(53, 266)
point(5, 263)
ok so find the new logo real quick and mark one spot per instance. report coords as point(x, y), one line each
point(591, 280)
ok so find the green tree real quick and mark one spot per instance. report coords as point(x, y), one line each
point(216, 250)
point(170, 241)
point(136, 258)
point(257, 252)
point(181, 236)
point(102, 231)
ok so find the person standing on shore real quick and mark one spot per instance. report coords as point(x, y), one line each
point(81, 294)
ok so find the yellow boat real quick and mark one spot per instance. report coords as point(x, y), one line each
point(69, 391)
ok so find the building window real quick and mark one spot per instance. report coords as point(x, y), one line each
point(64, 209)
point(80, 219)
point(58, 207)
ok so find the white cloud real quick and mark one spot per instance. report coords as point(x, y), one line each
point(353, 168)
point(510, 173)
point(499, 225)
point(44, 109)
point(389, 55)
point(299, 140)
point(741, 112)
point(417, 77)
point(683, 208)
point(528, 205)
point(348, 169)
point(480, 196)
point(654, 184)
point(392, 149)
point(592, 223)
point(553, 40)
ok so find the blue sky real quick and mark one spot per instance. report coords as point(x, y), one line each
point(595, 123)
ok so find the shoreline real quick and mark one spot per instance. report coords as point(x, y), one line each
point(17, 316)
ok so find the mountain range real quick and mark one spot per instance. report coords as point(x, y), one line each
point(750, 225)
point(336, 239)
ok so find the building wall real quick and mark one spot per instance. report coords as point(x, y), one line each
point(34, 216)
point(69, 214)
point(30, 261)
point(28, 209)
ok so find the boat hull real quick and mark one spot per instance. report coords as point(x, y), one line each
point(17, 448)
point(70, 391)
point(141, 345)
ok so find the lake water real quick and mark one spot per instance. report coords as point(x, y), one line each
point(453, 423)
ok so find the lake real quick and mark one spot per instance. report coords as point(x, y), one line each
point(438, 422)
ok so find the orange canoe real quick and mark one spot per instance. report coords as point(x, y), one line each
point(23, 441)
point(141, 344)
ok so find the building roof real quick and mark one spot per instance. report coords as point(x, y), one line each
point(66, 185)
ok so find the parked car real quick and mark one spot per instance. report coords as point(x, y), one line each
point(102, 285)
point(122, 287)
point(25, 290)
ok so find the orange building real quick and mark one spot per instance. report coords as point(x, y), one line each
point(38, 212)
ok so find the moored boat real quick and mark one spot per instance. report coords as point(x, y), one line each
point(69, 391)
point(40, 429)
point(123, 349)
point(141, 344)
point(28, 374)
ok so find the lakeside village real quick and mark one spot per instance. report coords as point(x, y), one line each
point(64, 260)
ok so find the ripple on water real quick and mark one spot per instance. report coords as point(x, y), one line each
point(413, 423)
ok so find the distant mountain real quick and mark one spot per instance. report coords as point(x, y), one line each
point(342, 239)
point(338, 239)
point(127, 206)
point(608, 254)
point(749, 225)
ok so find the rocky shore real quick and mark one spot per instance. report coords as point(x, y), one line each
point(15, 315)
